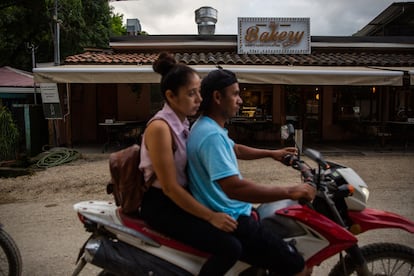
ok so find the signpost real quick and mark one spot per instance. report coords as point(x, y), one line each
point(50, 99)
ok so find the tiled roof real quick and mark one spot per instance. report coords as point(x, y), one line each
point(10, 77)
point(232, 58)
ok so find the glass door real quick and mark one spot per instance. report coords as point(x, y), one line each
point(303, 104)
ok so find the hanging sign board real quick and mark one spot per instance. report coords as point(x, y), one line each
point(263, 35)
point(50, 99)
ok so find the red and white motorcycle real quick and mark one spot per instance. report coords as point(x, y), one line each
point(123, 245)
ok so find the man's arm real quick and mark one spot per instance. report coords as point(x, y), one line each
point(245, 190)
point(249, 153)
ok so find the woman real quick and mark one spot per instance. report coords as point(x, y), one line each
point(167, 205)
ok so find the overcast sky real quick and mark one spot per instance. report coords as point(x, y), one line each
point(327, 17)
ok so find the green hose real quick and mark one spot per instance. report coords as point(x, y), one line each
point(57, 156)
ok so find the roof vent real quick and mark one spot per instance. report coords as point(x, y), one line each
point(206, 18)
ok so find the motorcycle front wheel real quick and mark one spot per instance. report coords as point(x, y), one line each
point(382, 259)
point(10, 258)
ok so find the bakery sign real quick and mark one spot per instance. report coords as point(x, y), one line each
point(263, 35)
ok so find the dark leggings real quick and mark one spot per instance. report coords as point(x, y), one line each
point(165, 216)
point(264, 248)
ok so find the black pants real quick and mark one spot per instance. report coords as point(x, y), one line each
point(165, 216)
point(265, 249)
point(251, 242)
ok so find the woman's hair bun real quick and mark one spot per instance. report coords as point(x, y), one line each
point(164, 63)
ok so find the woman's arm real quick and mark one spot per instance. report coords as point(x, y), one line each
point(159, 144)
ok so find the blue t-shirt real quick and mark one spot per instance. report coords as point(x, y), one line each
point(211, 157)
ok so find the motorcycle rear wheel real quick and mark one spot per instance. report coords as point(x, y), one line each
point(382, 259)
point(10, 258)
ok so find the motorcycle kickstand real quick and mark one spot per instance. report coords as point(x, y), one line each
point(81, 264)
point(341, 258)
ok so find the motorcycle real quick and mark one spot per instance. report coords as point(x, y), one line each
point(327, 226)
point(10, 258)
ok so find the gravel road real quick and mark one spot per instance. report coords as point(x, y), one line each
point(37, 211)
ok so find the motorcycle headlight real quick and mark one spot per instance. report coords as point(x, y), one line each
point(365, 191)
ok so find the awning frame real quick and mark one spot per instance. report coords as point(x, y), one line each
point(291, 75)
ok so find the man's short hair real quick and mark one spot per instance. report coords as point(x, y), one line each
point(215, 80)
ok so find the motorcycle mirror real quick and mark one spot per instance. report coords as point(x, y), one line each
point(316, 156)
point(287, 132)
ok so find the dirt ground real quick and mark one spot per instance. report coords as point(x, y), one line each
point(37, 211)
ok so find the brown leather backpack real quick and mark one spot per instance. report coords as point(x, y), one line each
point(127, 180)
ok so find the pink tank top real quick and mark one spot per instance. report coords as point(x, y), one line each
point(180, 133)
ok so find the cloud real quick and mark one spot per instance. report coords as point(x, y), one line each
point(327, 17)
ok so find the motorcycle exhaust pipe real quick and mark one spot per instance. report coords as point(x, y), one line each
point(120, 258)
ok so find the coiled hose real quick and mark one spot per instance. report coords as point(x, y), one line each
point(57, 156)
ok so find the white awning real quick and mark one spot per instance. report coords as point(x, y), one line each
point(96, 74)
point(294, 75)
point(408, 71)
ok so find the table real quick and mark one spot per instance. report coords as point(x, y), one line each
point(118, 131)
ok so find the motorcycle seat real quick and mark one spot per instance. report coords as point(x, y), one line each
point(141, 226)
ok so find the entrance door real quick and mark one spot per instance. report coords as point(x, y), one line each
point(303, 105)
point(312, 118)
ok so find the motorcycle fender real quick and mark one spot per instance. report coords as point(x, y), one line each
point(368, 219)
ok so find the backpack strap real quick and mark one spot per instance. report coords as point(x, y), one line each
point(153, 177)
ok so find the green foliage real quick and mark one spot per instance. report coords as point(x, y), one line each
point(9, 135)
point(117, 29)
point(83, 23)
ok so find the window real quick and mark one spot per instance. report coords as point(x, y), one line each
point(355, 103)
point(257, 102)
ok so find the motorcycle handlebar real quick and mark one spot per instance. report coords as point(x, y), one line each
point(294, 162)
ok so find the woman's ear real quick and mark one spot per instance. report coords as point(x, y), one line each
point(169, 95)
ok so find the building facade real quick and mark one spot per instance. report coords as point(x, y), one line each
point(345, 89)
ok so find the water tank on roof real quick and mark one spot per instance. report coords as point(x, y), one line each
point(206, 18)
point(133, 26)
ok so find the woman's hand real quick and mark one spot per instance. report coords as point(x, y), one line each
point(223, 222)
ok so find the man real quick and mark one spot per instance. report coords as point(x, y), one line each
point(216, 182)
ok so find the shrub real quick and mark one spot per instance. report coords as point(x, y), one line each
point(9, 134)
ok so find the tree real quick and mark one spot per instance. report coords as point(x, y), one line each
point(117, 28)
point(83, 23)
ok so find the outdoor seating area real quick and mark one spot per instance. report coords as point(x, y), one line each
point(122, 133)
point(389, 133)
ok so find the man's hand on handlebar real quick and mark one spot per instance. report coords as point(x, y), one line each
point(302, 192)
point(279, 155)
point(289, 158)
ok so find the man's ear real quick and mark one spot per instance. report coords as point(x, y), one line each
point(217, 96)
